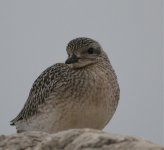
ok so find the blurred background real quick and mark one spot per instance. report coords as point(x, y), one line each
point(34, 35)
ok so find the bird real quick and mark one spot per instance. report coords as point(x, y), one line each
point(82, 92)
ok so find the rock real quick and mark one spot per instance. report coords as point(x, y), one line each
point(75, 139)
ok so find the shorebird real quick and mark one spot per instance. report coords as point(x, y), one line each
point(83, 92)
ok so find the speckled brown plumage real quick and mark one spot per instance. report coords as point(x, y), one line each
point(81, 93)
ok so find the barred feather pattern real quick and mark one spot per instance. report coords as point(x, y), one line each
point(41, 89)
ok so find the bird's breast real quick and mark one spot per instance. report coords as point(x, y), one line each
point(88, 103)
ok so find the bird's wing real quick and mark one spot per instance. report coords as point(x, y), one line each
point(45, 84)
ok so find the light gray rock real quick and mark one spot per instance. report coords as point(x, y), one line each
point(75, 139)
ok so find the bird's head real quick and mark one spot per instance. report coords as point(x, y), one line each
point(83, 52)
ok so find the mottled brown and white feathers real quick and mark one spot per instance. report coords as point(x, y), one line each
point(82, 92)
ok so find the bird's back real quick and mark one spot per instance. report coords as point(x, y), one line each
point(43, 86)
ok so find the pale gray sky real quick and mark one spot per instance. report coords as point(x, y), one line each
point(34, 34)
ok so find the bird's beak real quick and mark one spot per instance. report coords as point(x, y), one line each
point(73, 59)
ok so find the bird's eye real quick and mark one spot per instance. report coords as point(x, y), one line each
point(90, 51)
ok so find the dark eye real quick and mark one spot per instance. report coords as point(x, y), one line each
point(90, 51)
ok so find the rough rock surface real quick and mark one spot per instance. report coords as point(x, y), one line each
point(75, 139)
